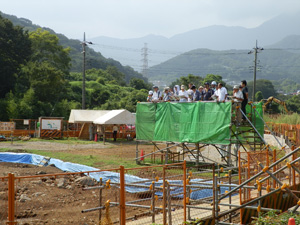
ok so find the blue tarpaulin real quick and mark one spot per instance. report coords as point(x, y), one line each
point(34, 159)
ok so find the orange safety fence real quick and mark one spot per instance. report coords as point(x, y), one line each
point(164, 195)
point(288, 131)
point(250, 165)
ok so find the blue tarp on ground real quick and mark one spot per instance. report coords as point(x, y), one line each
point(34, 159)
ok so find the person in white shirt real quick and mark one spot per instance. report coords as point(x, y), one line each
point(221, 93)
point(115, 132)
point(183, 95)
point(237, 103)
point(156, 94)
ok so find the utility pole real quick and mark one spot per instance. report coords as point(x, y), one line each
point(83, 73)
point(84, 44)
point(256, 50)
point(145, 60)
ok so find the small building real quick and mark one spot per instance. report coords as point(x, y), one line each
point(100, 123)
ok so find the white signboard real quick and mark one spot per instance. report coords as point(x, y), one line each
point(51, 124)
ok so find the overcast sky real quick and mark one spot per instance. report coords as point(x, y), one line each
point(137, 18)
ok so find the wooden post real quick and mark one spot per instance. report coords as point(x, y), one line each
point(213, 209)
point(153, 198)
point(294, 172)
point(167, 154)
point(104, 134)
point(197, 157)
point(169, 204)
point(100, 200)
point(11, 199)
point(164, 196)
point(184, 191)
point(137, 152)
point(230, 215)
point(122, 197)
point(189, 196)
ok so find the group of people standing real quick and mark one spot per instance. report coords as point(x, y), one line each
point(210, 92)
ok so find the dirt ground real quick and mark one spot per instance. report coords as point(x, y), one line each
point(60, 200)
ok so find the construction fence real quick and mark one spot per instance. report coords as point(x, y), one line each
point(290, 132)
point(29, 127)
point(167, 194)
point(276, 181)
point(164, 194)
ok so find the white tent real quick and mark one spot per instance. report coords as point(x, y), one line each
point(86, 116)
point(102, 117)
point(121, 116)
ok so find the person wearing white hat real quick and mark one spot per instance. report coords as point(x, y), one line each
point(214, 86)
point(237, 102)
point(156, 94)
point(150, 95)
point(183, 95)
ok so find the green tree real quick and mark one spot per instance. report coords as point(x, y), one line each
point(293, 104)
point(196, 80)
point(211, 77)
point(15, 49)
point(265, 86)
point(259, 96)
point(139, 84)
point(44, 74)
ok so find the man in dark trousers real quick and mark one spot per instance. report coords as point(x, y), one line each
point(115, 132)
point(245, 95)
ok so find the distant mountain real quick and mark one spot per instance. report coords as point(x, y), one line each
point(128, 51)
point(291, 43)
point(232, 65)
point(93, 59)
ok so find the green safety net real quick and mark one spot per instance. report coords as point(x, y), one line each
point(256, 119)
point(200, 122)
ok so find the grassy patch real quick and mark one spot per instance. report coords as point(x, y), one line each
point(283, 118)
point(271, 218)
point(98, 161)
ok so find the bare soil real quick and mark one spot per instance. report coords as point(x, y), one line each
point(60, 199)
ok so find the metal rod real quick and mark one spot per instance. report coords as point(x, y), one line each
point(253, 127)
point(251, 207)
point(260, 173)
point(160, 150)
point(279, 170)
point(252, 201)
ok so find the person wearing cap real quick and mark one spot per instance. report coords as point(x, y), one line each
point(183, 95)
point(150, 95)
point(156, 94)
point(245, 95)
point(237, 101)
point(196, 94)
point(176, 90)
point(166, 94)
point(214, 86)
point(207, 92)
point(201, 91)
point(221, 93)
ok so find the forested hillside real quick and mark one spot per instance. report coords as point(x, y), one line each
point(93, 59)
point(36, 77)
point(232, 65)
